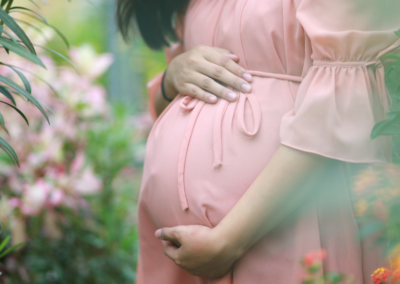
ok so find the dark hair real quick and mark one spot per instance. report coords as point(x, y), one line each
point(154, 19)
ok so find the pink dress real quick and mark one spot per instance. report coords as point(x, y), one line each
point(318, 87)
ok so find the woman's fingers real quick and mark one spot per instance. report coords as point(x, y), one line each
point(223, 75)
point(206, 72)
point(233, 57)
point(194, 90)
point(170, 249)
point(209, 86)
point(167, 234)
point(228, 53)
point(170, 239)
point(224, 61)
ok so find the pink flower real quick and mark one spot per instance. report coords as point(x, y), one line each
point(89, 62)
point(56, 197)
point(14, 202)
point(34, 198)
point(88, 183)
point(78, 163)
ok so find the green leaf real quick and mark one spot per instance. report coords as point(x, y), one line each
point(25, 94)
point(1, 29)
point(11, 37)
point(18, 49)
point(392, 75)
point(12, 24)
point(17, 110)
point(60, 55)
point(33, 27)
point(10, 250)
point(61, 35)
point(46, 107)
point(34, 75)
point(9, 150)
point(2, 124)
point(4, 243)
point(397, 33)
point(44, 21)
point(390, 56)
point(3, 2)
point(334, 277)
point(30, 10)
point(5, 92)
point(24, 80)
point(34, 3)
point(390, 126)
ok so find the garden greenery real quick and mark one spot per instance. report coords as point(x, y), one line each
point(14, 39)
point(391, 126)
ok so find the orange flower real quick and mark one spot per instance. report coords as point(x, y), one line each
point(396, 276)
point(381, 276)
point(314, 257)
point(395, 257)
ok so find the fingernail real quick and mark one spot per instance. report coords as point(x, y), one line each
point(213, 99)
point(246, 87)
point(247, 76)
point(231, 96)
point(158, 234)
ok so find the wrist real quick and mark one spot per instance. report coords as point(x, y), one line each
point(168, 91)
point(228, 243)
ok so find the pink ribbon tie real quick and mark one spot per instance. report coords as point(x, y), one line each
point(193, 105)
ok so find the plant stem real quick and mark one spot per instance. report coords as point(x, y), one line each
point(9, 6)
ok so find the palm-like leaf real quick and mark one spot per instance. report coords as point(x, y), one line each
point(20, 50)
point(40, 19)
point(17, 110)
point(7, 93)
point(9, 150)
point(17, 30)
point(24, 93)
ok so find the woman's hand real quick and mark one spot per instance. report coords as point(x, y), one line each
point(192, 73)
point(198, 249)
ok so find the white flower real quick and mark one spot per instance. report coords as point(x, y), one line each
point(88, 183)
point(34, 198)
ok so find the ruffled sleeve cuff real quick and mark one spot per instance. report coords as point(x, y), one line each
point(335, 111)
point(152, 87)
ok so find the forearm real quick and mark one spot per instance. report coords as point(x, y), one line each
point(280, 188)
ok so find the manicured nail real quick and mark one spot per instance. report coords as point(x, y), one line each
point(246, 87)
point(158, 234)
point(247, 77)
point(213, 99)
point(231, 96)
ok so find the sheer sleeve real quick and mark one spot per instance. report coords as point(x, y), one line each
point(170, 52)
point(343, 94)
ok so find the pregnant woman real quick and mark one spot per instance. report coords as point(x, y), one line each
point(251, 164)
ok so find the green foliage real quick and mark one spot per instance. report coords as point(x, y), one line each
point(391, 126)
point(82, 256)
point(4, 250)
point(24, 48)
point(98, 245)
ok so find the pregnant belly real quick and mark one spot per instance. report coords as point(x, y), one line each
point(202, 158)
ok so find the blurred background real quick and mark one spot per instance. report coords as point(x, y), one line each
point(72, 202)
point(68, 212)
